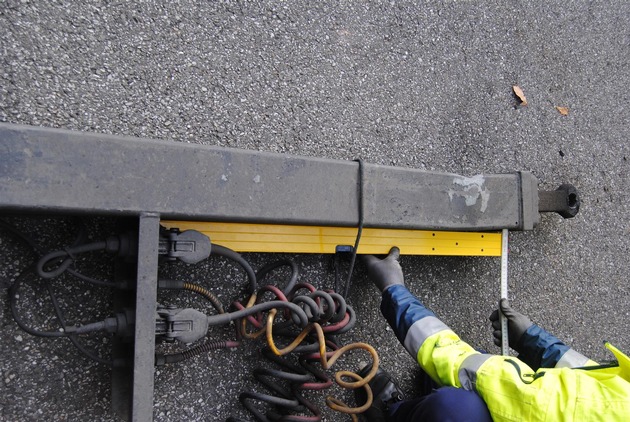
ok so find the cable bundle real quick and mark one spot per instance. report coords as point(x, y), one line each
point(309, 318)
point(314, 344)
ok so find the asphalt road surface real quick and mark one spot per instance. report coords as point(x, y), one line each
point(426, 86)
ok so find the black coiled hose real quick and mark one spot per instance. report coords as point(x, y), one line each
point(327, 310)
point(282, 399)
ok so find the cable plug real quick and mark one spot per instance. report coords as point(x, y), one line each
point(184, 325)
point(189, 246)
point(123, 245)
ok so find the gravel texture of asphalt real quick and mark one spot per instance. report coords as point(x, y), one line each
point(425, 85)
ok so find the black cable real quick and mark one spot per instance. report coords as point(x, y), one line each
point(351, 323)
point(264, 271)
point(309, 306)
point(328, 311)
point(341, 310)
point(346, 290)
point(13, 294)
point(90, 280)
point(222, 319)
point(68, 254)
point(236, 257)
point(14, 291)
point(336, 268)
point(81, 237)
point(73, 338)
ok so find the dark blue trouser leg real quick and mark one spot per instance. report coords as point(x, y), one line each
point(446, 404)
point(424, 384)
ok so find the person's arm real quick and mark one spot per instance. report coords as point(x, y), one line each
point(437, 349)
point(540, 349)
point(536, 347)
point(510, 388)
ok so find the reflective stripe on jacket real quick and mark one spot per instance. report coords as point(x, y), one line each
point(512, 390)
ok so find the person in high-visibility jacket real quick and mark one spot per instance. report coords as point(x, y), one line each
point(548, 381)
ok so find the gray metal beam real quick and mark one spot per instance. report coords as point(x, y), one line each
point(146, 304)
point(122, 347)
point(52, 170)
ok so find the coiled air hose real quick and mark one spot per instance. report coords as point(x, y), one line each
point(328, 314)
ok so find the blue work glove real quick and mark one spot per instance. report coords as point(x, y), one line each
point(386, 272)
point(517, 324)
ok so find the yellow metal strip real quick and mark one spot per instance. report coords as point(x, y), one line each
point(245, 237)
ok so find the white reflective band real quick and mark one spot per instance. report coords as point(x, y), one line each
point(572, 359)
point(420, 331)
point(467, 373)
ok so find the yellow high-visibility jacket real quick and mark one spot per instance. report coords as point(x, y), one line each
point(558, 384)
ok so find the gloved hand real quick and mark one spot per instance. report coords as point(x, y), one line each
point(386, 272)
point(517, 324)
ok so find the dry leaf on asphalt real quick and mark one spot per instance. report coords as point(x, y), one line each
point(563, 110)
point(519, 93)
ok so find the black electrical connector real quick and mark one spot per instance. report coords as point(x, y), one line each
point(185, 325)
point(124, 245)
point(189, 246)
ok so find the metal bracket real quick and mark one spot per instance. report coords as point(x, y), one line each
point(146, 304)
point(565, 201)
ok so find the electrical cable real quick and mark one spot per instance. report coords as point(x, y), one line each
point(301, 319)
point(111, 244)
point(163, 359)
point(80, 239)
point(318, 315)
point(236, 257)
point(69, 257)
point(73, 338)
point(222, 319)
point(328, 315)
point(297, 376)
point(207, 294)
point(90, 280)
point(264, 271)
point(13, 294)
point(361, 207)
point(81, 235)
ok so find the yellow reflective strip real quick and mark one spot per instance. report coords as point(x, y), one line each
point(246, 237)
